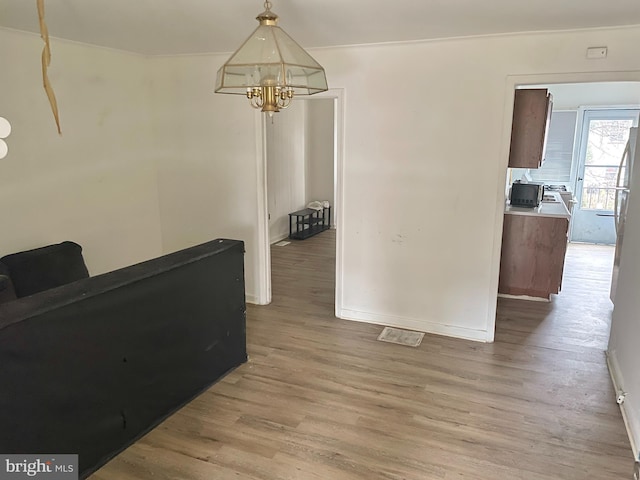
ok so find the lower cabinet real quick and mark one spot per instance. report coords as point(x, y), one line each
point(533, 251)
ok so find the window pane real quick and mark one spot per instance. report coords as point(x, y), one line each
point(606, 141)
point(557, 164)
point(598, 192)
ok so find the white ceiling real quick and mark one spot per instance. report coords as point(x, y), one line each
point(157, 27)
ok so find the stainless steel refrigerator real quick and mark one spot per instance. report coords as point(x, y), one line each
point(626, 178)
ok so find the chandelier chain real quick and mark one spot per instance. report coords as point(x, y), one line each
point(267, 5)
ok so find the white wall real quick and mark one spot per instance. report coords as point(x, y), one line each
point(425, 164)
point(422, 185)
point(286, 167)
point(96, 184)
point(206, 158)
point(320, 154)
point(625, 321)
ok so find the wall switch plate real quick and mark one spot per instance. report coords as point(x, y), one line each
point(597, 52)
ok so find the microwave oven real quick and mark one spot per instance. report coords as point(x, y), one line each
point(526, 194)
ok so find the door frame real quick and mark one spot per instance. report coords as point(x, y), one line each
point(264, 245)
point(511, 82)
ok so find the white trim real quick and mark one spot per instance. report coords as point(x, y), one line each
point(512, 81)
point(575, 156)
point(419, 325)
point(338, 191)
point(264, 253)
point(424, 41)
point(279, 239)
point(633, 427)
point(338, 96)
point(420, 41)
point(501, 176)
point(253, 299)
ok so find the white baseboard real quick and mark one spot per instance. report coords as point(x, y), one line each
point(414, 324)
point(630, 421)
point(253, 299)
point(279, 238)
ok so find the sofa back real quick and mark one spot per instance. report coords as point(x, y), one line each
point(89, 367)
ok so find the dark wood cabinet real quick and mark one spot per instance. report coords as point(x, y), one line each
point(531, 114)
point(533, 251)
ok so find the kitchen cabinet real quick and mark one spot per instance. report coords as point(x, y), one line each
point(533, 251)
point(531, 115)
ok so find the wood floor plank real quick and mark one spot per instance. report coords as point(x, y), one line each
point(321, 398)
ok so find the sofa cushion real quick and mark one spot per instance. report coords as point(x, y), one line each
point(7, 293)
point(34, 271)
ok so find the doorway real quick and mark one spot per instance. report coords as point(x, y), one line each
point(602, 140)
point(581, 279)
point(308, 180)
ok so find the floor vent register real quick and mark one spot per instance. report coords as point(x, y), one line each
point(401, 337)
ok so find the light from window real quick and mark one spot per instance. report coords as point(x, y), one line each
point(556, 168)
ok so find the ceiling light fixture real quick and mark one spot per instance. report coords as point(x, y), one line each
point(270, 67)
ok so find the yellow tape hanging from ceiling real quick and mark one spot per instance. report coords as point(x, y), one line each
point(46, 61)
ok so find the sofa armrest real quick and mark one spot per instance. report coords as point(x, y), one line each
point(41, 269)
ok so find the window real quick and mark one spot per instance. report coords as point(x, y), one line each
point(560, 139)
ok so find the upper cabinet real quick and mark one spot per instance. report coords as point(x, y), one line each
point(531, 115)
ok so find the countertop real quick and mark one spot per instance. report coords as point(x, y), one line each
point(555, 208)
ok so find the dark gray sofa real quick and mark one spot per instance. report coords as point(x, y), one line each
point(90, 366)
point(33, 271)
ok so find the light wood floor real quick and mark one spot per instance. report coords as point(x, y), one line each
point(321, 399)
